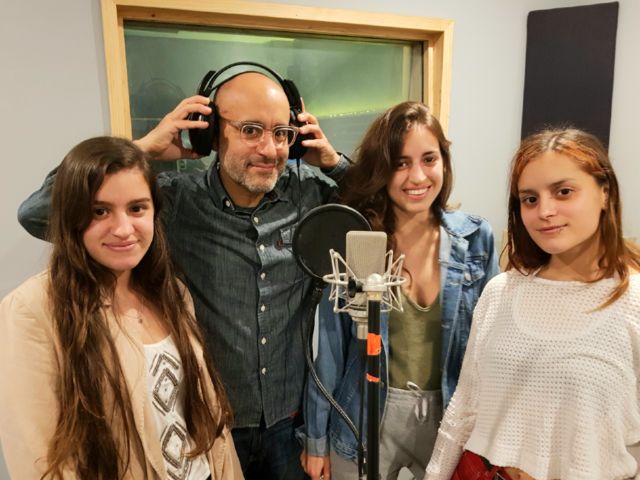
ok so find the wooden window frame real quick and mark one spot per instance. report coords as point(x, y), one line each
point(435, 34)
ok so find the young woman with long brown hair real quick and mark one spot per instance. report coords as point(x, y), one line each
point(549, 384)
point(401, 182)
point(102, 369)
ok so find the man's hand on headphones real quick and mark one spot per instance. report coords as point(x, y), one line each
point(163, 142)
point(320, 153)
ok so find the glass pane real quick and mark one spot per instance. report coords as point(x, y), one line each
point(345, 81)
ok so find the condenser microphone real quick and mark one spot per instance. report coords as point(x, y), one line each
point(368, 271)
point(365, 253)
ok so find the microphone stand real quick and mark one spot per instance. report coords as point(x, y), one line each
point(374, 289)
point(362, 329)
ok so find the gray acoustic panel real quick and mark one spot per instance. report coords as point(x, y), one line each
point(569, 68)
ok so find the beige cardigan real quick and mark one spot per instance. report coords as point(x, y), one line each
point(29, 365)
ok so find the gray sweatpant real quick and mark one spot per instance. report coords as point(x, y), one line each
point(407, 434)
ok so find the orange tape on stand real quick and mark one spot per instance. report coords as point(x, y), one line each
point(374, 344)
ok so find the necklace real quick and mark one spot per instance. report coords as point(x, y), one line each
point(138, 313)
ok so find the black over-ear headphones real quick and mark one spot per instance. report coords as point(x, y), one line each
point(202, 139)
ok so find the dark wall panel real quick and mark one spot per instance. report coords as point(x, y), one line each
point(569, 68)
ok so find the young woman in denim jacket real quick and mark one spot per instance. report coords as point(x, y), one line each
point(400, 183)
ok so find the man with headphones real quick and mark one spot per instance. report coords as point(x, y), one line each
point(230, 230)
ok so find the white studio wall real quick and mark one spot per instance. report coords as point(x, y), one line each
point(53, 94)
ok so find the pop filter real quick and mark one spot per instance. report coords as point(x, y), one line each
point(322, 229)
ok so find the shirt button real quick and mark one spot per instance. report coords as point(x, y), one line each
point(263, 371)
point(467, 276)
point(263, 308)
point(227, 203)
point(263, 340)
point(256, 220)
point(263, 276)
point(261, 247)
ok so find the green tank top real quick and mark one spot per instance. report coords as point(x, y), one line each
point(415, 343)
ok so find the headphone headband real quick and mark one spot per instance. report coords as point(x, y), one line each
point(213, 75)
point(202, 140)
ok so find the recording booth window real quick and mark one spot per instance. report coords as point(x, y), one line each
point(348, 66)
point(345, 82)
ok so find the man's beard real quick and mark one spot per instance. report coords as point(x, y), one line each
point(253, 182)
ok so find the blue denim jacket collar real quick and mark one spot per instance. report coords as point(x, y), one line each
point(459, 224)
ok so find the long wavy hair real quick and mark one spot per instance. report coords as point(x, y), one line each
point(365, 184)
point(616, 256)
point(93, 397)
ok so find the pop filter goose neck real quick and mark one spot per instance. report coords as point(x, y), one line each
point(322, 229)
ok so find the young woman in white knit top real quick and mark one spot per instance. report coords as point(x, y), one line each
point(549, 385)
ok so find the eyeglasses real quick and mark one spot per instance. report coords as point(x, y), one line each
point(253, 133)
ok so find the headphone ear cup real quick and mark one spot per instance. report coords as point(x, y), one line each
point(202, 138)
point(297, 150)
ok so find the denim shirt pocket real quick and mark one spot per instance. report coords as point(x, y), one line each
point(285, 239)
point(474, 270)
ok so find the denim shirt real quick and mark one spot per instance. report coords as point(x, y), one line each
point(246, 284)
point(468, 261)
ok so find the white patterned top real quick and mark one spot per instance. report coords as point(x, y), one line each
point(164, 378)
point(549, 384)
